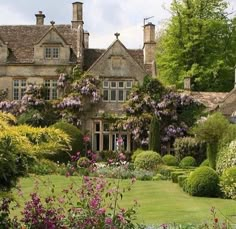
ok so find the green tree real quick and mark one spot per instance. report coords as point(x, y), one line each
point(199, 41)
point(211, 131)
point(154, 135)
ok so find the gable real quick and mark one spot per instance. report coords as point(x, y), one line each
point(228, 106)
point(116, 62)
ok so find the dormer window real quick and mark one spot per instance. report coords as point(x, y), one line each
point(52, 53)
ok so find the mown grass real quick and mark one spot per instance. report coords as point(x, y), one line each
point(160, 201)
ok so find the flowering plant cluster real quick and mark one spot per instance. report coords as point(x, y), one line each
point(169, 106)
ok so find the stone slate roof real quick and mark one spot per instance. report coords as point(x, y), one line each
point(210, 100)
point(20, 40)
point(91, 55)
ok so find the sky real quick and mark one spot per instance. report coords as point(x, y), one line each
point(102, 18)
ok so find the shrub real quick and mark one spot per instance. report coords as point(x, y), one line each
point(205, 163)
point(76, 141)
point(154, 135)
point(226, 158)
point(43, 167)
point(228, 183)
point(148, 160)
point(182, 179)
point(203, 182)
point(187, 162)
point(211, 131)
point(142, 174)
point(170, 160)
point(165, 171)
point(176, 174)
point(189, 146)
point(107, 155)
point(136, 153)
point(83, 162)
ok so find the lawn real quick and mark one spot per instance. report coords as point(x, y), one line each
point(160, 201)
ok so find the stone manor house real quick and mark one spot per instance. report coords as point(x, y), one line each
point(33, 53)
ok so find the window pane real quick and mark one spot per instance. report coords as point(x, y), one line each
point(105, 95)
point(47, 94)
point(105, 84)
point(113, 84)
point(128, 84)
point(54, 83)
point(121, 84)
point(48, 52)
point(97, 126)
point(125, 141)
point(54, 93)
point(16, 94)
point(113, 95)
point(105, 141)
point(106, 127)
point(23, 83)
point(23, 92)
point(16, 83)
point(127, 95)
point(55, 52)
point(97, 142)
point(47, 83)
point(121, 95)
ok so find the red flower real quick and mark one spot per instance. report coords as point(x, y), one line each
point(216, 220)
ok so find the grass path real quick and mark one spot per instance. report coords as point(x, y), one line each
point(160, 201)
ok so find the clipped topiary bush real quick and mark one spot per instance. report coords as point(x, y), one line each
point(176, 174)
point(76, 141)
point(203, 181)
point(205, 163)
point(228, 183)
point(148, 160)
point(226, 158)
point(189, 146)
point(182, 179)
point(170, 160)
point(187, 162)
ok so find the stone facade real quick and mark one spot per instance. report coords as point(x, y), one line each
point(33, 53)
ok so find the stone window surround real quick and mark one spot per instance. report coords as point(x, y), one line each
point(114, 88)
point(18, 90)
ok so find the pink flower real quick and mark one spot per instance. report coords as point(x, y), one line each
point(108, 221)
point(86, 138)
point(119, 141)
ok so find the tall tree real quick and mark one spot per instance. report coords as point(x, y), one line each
point(198, 42)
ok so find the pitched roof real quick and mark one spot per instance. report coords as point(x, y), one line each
point(92, 55)
point(210, 100)
point(22, 38)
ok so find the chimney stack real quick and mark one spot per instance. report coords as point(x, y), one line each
point(86, 39)
point(77, 16)
point(149, 43)
point(187, 83)
point(40, 18)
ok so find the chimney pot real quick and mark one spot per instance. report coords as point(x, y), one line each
point(77, 14)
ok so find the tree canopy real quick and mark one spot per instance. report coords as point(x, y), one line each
point(199, 42)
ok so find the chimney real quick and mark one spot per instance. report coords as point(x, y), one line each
point(187, 83)
point(77, 16)
point(40, 18)
point(86, 39)
point(149, 43)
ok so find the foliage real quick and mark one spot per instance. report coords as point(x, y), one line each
point(43, 167)
point(187, 162)
point(176, 174)
point(205, 163)
point(167, 105)
point(228, 183)
point(46, 140)
point(83, 162)
point(228, 137)
point(170, 160)
point(136, 153)
point(226, 158)
point(154, 135)
point(203, 182)
point(199, 42)
point(76, 141)
point(189, 146)
point(182, 179)
point(211, 131)
point(148, 160)
point(8, 118)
